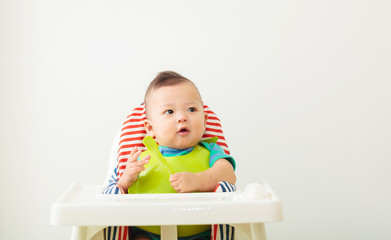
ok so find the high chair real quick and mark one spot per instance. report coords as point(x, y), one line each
point(89, 211)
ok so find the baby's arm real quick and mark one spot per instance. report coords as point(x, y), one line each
point(205, 181)
point(133, 168)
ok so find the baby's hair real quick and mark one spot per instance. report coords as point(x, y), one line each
point(163, 79)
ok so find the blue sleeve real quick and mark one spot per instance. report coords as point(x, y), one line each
point(216, 153)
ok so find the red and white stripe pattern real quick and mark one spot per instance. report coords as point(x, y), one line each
point(133, 132)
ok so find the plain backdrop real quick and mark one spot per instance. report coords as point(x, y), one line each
point(303, 90)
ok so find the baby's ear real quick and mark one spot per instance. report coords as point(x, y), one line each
point(205, 119)
point(148, 127)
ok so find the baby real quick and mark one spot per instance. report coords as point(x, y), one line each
point(176, 118)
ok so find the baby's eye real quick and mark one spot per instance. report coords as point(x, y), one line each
point(192, 109)
point(169, 111)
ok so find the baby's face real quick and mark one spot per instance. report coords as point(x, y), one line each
point(176, 116)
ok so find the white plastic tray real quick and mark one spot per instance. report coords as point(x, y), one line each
point(84, 205)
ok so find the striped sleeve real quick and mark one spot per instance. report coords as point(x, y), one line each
point(112, 187)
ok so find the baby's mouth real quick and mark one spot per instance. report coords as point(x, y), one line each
point(183, 130)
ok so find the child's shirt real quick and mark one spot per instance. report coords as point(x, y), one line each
point(216, 153)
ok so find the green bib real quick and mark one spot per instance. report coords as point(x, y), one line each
point(155, 179)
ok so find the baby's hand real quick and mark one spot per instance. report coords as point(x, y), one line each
point(133, 169)
point(184, 182)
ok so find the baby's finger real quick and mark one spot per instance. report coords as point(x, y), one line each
point(134, 154)
point(173, 177)
point(174, 184)
point(140, 163)
point(176, 187)
point(133, 150)
point(137, 169)
point(146, 158)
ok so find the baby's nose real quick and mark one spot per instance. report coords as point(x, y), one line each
point(182, 117)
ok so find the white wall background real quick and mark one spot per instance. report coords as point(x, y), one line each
point(312, 76)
